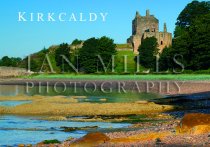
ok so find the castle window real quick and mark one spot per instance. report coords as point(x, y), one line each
point(161, 42)
point(147, 30)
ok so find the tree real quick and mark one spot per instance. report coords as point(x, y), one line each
point(44, 50)
point(62, 50)
point(6, 61)
point(147, 52)
point(193, 10)
point(38, 61)
point(200, 45)
point(34, 66)
point(192, 36)
point(76, 42)
point(15, 61)
point(107, 48)
point(12, 62)
point(166, 59)
point(179, 31)
point(88, 54)
point(182, 45)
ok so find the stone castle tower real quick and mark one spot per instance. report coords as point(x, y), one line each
point(148, 26)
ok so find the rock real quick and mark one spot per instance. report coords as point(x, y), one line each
point(103, 100)
point(188, 138)
point(70, 139)
point(141, 102)
point(201, 129)
point(79, 97)
point(194, 123)
point(144, 136)
point(91, 139)
point(21, 145)
point(70, 129)
point(56, 118)
point(158, 141)
point(48, 143)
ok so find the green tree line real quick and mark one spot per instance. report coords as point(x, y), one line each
point(190, 42)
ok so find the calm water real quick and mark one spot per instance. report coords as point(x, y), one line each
point(30, 130)
point(15, 130)
point(94, 97)
point(13, 103)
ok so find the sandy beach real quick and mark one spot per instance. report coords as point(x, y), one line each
point(152, 124)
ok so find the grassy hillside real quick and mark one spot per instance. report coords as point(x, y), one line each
point(124, 46)
point(122, 49)
point(38, 58)
point(131, 65)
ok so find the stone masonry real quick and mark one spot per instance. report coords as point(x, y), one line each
point(148, 26)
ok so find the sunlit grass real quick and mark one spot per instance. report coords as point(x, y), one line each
point(193, 77)
point(131, 65)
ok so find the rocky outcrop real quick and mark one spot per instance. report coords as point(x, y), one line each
point(8, 72)
point(194, 123)
point(70, 129)
point(91, 139)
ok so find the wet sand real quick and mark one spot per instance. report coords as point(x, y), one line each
point(62, 106)
point(160, 134)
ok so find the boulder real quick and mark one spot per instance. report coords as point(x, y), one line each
point(201, 129)
point(194, 123)
point(91, 139)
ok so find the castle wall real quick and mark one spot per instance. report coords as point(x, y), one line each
point(141, 24)
point(164, 39)
point(136, 42)
point(148, 26)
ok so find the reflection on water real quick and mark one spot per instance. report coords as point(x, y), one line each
point(97, 96)
point(28, 130)
point(13, 103)
point(11, 90)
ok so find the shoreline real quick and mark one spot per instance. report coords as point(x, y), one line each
point(58, 107)
point(61, 107)
point(163, 87)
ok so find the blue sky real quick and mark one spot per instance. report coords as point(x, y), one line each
point(19, 39)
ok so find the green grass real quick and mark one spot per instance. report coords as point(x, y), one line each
point(131, 65)
point(124, 46)
point(192, 77)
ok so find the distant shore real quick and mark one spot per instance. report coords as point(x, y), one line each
point(164, 87)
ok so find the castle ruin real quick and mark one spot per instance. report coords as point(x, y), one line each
point(148, 26)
